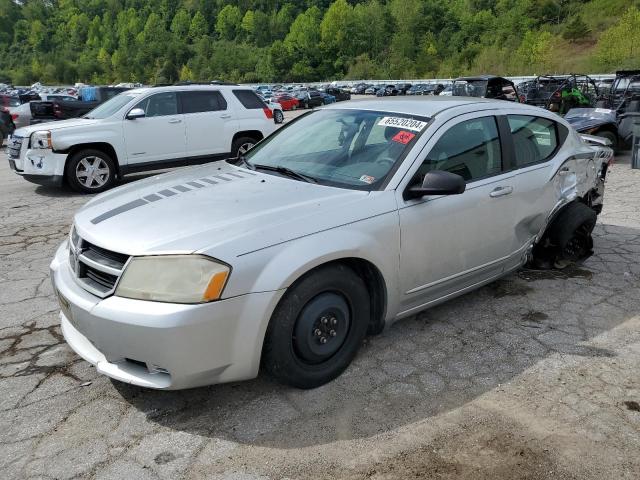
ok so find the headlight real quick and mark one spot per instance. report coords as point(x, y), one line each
point(41, 139)
point(173, 278)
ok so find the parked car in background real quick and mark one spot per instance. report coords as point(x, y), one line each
point(21, 115)
point(327, 99)
point(288, 102)
point(276, 109)
point(339, 94)
point(141, 129)
point(56, 109)
point(485, 86)
point(7, 126)
point(309, 98)
point(402, 88)
point(9, 101)
point(334, 227)
point(372, 90)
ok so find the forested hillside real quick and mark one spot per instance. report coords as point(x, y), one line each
point(157, 41)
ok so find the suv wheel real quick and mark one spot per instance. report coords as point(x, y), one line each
point(90, 171)
point(317, 328)
point(278, 116)
point(242, 145)
point(609, 135)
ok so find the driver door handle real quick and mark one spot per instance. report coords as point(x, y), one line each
point(226, 115)
point(175, 120)
point(500, 191)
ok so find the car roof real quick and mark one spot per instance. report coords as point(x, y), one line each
point(182, 88)
point(426, 106)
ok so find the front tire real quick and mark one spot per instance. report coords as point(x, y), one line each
point(90, 171)
point(317, 328)
point(278, 116)
point(242, 145)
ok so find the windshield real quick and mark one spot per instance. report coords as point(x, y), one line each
point(470, 88)
point(110, 107)
point(344, 148)
point(13, 102)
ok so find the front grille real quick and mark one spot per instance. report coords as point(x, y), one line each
point(97, 269)
point(14, 146)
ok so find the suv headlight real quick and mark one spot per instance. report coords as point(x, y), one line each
point(41, 140)
point(174, 279)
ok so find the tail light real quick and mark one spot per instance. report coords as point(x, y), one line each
point(14, 116)
point(267, 111)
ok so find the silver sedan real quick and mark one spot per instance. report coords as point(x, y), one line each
point(347, 219)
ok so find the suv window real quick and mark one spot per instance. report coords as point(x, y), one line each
point(470, 149)
point(205, 101)
point(535, 138)
point(249, 99)
point(159, 105)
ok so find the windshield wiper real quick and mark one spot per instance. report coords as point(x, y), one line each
point(244, 160)
point(285, 171)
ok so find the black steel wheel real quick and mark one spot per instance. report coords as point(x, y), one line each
point(317, 328)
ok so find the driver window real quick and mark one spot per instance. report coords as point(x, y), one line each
point(159, 105)
point(470, 149)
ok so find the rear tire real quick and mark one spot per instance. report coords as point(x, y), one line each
point(90, 171)
point(317, 328)
point(568, 239)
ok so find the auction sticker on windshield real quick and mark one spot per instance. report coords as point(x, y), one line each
point(407, 123)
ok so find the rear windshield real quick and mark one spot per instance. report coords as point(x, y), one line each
point(249, 99)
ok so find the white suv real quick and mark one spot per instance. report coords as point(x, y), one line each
point(142, 129)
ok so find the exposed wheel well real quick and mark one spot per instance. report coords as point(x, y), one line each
point(102, 146)
point(375, 284)
point(255, 134)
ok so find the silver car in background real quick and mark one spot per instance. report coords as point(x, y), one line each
point(347, 219)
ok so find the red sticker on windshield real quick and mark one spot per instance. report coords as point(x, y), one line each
point(403, 137)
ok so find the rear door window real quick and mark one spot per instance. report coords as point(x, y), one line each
point(535, 139)
point(204, 101)
point(249, 99)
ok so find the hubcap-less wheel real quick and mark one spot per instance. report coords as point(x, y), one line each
point(244, 148)
point(279, 116)
point(579, 244)
point(92, 172)
point(321, 328)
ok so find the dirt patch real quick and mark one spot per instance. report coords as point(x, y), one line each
point(632, 405)
point(509, 288)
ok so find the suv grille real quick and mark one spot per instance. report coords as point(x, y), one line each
point(14, 146)
point(97, 269)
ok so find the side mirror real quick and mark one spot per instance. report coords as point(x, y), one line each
point(135, 113)
point(437, 182)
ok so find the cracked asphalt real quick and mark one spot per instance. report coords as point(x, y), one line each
point(533, 377)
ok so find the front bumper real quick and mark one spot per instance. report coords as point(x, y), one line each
point(163, 345)
point(43, 167)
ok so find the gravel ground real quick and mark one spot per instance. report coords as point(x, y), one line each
point(532, 377)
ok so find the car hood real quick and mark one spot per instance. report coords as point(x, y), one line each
point(55, 125)
point(215, 208)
